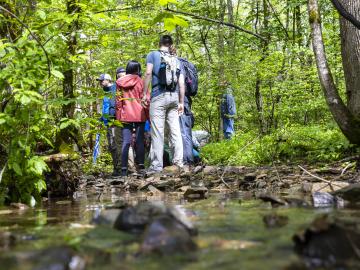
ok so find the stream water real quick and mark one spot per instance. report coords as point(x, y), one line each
point(232, 235)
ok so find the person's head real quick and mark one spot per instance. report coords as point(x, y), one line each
point(120, 72)
point(104, 80)
point(166, 41)
point(133, 67)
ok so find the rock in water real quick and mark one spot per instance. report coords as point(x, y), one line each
point(323, 199)
point(326, 244)
point(166, 236)
point(350, 193)
point(135, 218)
point(275, 220)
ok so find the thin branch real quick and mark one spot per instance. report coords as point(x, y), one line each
point(278, 19)
point(318, 178)
point(216, 21)
point(116, 9)
point(34, 37)
point(2, 171)
point(347, 15)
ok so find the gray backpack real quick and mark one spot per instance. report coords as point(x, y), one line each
point(169, 71)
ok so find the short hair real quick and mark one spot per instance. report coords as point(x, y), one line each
point(133, 67)
point(166, 41)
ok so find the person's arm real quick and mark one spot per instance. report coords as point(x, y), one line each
point(181, 93)
point(147, 80)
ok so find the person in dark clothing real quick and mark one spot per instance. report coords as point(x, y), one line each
point(120, 72)
point(228, 112)
point(132, 114)
point(108, 113)
point(186, 124)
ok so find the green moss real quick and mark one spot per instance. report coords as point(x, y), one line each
point(314, 17)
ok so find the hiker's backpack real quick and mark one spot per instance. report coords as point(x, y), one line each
point(191, 77)
point(169, 71)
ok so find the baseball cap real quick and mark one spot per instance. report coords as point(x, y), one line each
point(120, 70)
point(104, 77)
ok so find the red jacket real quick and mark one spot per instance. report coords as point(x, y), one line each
point(128, 101)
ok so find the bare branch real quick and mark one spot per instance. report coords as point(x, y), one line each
point(343, 12)
point(116, 9)
point(216, 21)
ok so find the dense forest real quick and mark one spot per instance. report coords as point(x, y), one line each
point(52, 51)
point(273, 184)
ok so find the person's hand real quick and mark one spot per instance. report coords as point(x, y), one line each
point(144, 102)
point(181, 108)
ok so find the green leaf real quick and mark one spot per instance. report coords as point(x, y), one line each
point(16, 169)
point(165, 2)
point(57, 74)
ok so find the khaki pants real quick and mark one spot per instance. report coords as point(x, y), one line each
point(164, 109)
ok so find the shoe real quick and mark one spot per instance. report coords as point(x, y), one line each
point(116, 173)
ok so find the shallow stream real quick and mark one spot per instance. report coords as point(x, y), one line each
point(232, 235)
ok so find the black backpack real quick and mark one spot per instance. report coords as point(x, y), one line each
point(191, 77)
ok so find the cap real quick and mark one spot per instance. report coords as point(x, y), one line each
point(104, 77)
point(120, 70)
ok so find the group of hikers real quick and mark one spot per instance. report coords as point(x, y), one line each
point(156, 119)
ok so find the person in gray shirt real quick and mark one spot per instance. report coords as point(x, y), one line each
point(166, 104)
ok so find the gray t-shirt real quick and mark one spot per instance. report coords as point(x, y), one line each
point(154, 58)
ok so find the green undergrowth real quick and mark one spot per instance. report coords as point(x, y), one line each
point(308, 143)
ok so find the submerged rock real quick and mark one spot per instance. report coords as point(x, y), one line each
point(350, 193)
point(135, 218)
point(166, 236)
point(275, 201)
point(274, 220)
point(328, 244)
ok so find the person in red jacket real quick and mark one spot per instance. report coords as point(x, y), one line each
point(132, 114)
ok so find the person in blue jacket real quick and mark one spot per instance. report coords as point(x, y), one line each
point(228, 111)
point(108, 115)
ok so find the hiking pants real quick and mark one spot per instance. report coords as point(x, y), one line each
point(127, 133)
point(114, 145)
point(164, 108)
point(185, 126)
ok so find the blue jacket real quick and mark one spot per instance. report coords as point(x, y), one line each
point(108, 106)
point(228, 107)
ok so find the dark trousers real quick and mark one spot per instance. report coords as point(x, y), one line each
point(127, 135)
point(114, 143)
point(185, 126)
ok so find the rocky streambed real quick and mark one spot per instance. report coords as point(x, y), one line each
point(283, 217)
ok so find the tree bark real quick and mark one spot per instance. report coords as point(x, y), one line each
point(350, 50)
point(348, 124)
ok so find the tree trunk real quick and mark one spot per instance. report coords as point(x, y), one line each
point(347, 122)
point(350, 49)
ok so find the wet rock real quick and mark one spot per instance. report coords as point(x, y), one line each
point(135, 218)
point(210, 169)
point(324, 199)
point(296, 201)
point(275, 201)
point(350, 193)
point(274, 220)
point(59, 258)
point(116, 181)
point(155, 192)
point(196, 193)
point(250, 177)
point(197, 169)
point(7, 240)
point(171, 169)
point(261, 184)
point(19, 206)
point(166, 236)
point(327, 244)
point(261, 176)
point(325, 187)
point(105, 217)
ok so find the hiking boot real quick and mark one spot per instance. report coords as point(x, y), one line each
point(116, 173)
